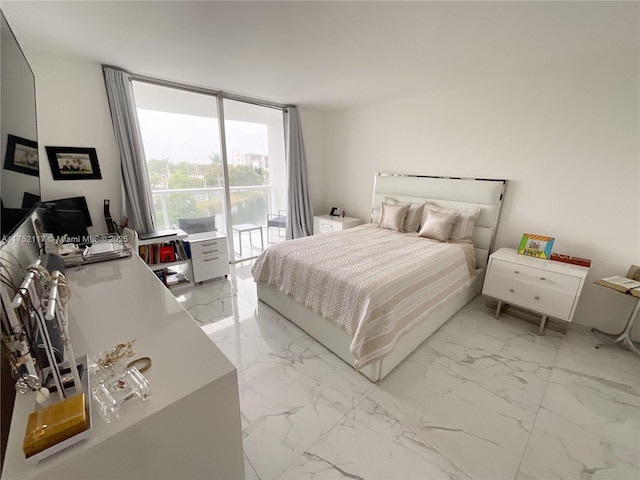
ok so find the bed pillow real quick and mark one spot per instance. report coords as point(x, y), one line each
point(463, 229)
point(392, 216)
point(438, 226)
point(414, 214)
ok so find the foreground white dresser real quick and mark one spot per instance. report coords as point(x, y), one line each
point(544, 286)
point(327, 223)
point(189, 428)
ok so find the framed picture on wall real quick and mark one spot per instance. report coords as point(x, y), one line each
point(536, 246)
point(73, 163)
point(22, 156)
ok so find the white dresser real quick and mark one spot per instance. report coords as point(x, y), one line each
point(544, 286)
point(327, 223)
point(189, 428)
point(209, 255)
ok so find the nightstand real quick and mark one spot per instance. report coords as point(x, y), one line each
point(549, 288)
point(327, 223)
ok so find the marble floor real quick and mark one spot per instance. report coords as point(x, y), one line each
point(483, 398)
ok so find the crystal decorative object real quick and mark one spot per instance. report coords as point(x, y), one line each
point(112, 363)
point(111, 395)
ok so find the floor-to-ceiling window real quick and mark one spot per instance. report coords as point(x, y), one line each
point(257, 174)
point(183, 139)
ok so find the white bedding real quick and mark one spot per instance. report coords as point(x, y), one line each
point(372, 283)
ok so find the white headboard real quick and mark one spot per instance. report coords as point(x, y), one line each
point(448, 192)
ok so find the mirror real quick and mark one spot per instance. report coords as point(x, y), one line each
point(19, 175)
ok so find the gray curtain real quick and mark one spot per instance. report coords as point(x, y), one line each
point(136, 192)
point(300, 213)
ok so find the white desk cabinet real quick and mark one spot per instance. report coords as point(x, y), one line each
point(209, 256)
point(544, 286)
point(189, 428)
point(327, 223)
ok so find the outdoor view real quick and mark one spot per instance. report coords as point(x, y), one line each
point(180, 134)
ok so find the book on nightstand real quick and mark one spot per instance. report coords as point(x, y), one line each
point(622, 284)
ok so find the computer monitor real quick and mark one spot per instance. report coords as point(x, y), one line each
point(67, 216)
point(72, 203)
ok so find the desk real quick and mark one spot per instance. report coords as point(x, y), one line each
point(189, 428)
point(624, 337)
point(248, 227)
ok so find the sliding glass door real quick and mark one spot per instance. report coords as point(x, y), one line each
point(257, 183)
point(184, 140)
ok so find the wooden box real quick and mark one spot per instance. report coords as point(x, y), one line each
point(54, 424)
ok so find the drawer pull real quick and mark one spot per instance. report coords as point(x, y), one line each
point(516, 272)
point(209, 244)
point(210, 251)
point(536, 297)
point(542, 278)
point(511, 290)
point(210, 259)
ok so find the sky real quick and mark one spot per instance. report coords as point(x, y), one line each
point(190, 138)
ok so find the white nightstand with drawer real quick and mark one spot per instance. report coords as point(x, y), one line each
point(327, 223)
point(209, 255)
point(544, 286)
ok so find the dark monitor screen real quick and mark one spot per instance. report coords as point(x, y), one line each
point(66, 222)
point(72, 203)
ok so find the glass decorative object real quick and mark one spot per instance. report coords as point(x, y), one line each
point(106, 365)
point(111, 395)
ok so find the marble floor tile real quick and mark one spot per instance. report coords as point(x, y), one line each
point(609, 361)
point(483, 398)
point(212, 300)
point(606, 407)
point(505, 349)
point(290, 405)
point(559, 449)
point(460, 413)
point(371, 443)
point(248, 339)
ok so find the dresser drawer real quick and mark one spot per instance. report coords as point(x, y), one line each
point(537, 289)
point(209, 247)
point(208, 267)
point(535, 276)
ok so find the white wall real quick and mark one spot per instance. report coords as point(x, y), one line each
point(565, 137)
point(73, 112)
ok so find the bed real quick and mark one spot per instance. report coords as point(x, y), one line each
point(368, 297)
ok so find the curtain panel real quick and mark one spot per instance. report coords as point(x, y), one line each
point(136, 191)
point(300, 216)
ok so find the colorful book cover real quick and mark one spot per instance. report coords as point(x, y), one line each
point(536, 246)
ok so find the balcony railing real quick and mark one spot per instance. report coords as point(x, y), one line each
point(249, 204)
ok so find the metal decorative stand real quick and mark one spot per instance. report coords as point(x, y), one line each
point(623, 337)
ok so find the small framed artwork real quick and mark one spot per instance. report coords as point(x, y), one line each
point(22, 156)
point(72, 163)
point(537, 246)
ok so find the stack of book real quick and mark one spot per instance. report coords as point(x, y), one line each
point(166, 252)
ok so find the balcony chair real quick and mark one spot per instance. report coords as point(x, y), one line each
point(278, 221)
point(198, 225)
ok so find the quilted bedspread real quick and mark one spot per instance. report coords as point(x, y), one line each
point(373, 283)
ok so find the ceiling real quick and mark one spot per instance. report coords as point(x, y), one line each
point(327, 55)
